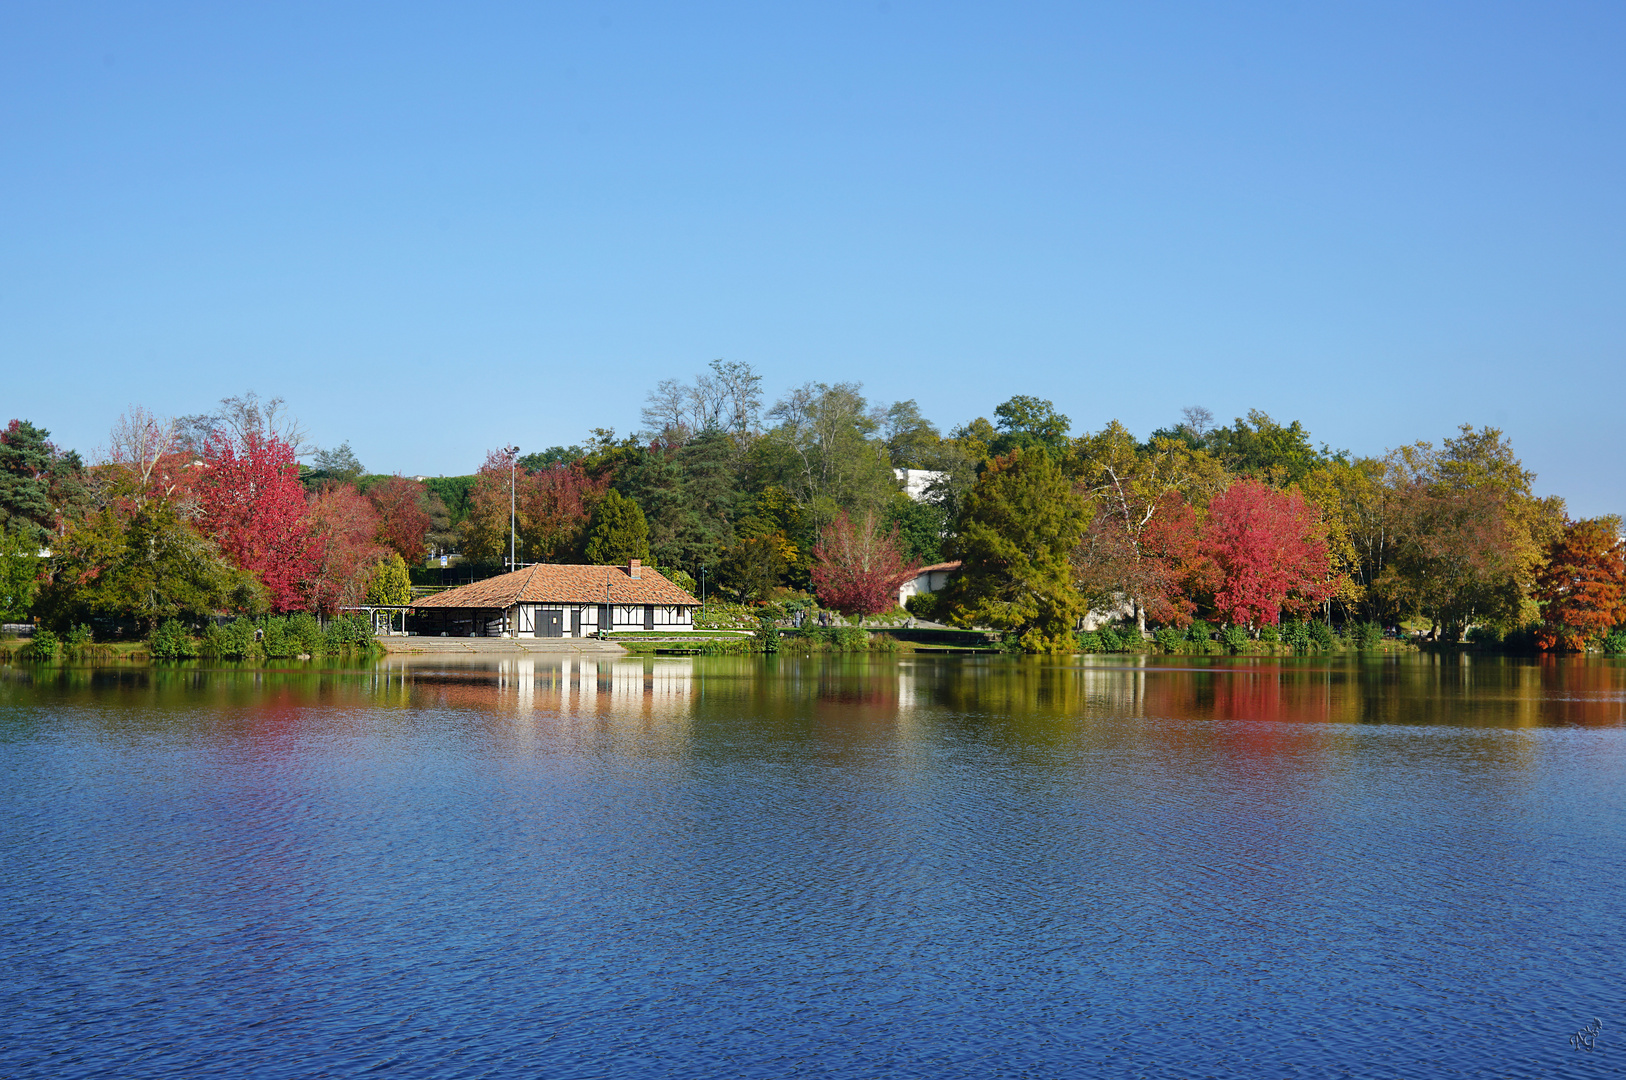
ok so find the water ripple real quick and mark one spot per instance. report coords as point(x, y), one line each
point(914, 871)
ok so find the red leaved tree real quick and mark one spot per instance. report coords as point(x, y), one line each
point(1582, 589)
point(345, 528)
point(252, 505)
point(857, 568)
point(555, 504)
point(1148, 568)
point(402, 520)
point(1265, 551)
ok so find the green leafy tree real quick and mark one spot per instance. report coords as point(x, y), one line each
point(753, 567)
point(454, 493)
point(912, 442)
point(1467, 534)
point(922, 528)
point(975, 440)
point(338, 464)
point(690, 495)
point(19, 575)
point(617, 531)
point(765, 556)
point(1019, 528)
point(1025, 422)
point(389, 582)
point(148, 567)
point(823, 451)
point(553, 455)
point(1263, 449)
point(39, 484)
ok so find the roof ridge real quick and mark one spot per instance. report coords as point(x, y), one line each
point(523, 584)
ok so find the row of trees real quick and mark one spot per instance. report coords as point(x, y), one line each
point(1239, 523)
point(194, 516)
point(1247, 522)
point(1236, 524)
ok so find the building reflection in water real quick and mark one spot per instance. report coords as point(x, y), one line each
point(651, 692)
point(857, 692)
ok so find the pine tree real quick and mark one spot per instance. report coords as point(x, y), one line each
point(618, 531)
point(1019, 527)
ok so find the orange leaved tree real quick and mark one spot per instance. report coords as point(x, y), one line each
point(1582, 589)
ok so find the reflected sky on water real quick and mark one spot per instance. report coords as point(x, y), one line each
point(839, 866)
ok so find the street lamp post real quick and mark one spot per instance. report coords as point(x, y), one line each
point(513, 462)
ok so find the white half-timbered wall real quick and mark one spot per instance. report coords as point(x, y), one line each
point(524, 618)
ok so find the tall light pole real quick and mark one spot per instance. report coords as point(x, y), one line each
point(513, 529)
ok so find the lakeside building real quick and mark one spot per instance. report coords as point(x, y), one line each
point(928, 579)
point(548, 600)
point(916, 482)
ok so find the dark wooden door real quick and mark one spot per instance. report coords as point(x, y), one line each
point(550, 624)
point(649, 616)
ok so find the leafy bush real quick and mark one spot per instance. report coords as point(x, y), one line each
point(306, 633)
point(1321, 635)
point(276, 641)
point(1367, 635)
point(1484, 635)
point(349, 632)
point(847, 638)
point(231, 641)
point(1614, 642)
point(924, 605)
point(1090, 642)
point(1297, 634)
point(1113, 640)
point(768, 635)
point(1270, 634)
point(77, 637)
point(1199, 631)
point(1522, 640)
point(170, 641)
point(42, 646)
point(842, 639)
point(1170, 640)
point(1235, 638)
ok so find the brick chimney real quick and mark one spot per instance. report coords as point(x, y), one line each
point(635, 569)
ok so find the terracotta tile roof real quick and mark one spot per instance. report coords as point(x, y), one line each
point(939, 566)
point(561, 584)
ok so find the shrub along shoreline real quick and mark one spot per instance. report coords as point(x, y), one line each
point(294, 637)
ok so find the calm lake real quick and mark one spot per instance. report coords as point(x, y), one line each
point(842, 867)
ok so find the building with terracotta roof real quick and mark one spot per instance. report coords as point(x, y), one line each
point(557, 601)
point(927, 579)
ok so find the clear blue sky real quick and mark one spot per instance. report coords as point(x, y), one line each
point(437, 229)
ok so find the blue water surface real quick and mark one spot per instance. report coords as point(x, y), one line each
point(834, 867)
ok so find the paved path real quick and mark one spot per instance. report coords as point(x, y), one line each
point(462, 646)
